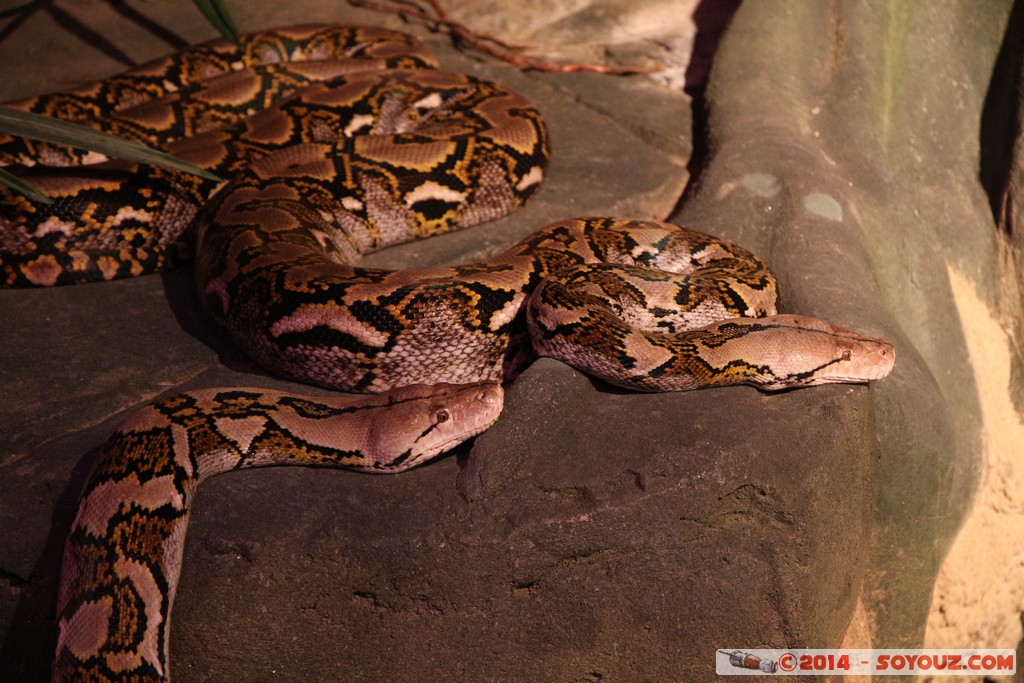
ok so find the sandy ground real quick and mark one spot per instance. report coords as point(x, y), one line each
point(979, 595)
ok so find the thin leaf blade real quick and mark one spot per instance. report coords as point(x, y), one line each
point(19, 185)
point(217, 13)
point(25, 124)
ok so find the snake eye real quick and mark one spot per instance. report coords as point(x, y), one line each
point(846, 354)
point(442, 415)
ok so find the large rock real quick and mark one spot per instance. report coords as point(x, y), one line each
point(846, 142)
point(592, 534)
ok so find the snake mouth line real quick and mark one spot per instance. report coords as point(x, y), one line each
point(410, 458)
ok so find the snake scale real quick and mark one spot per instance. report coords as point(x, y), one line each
point(338, 141)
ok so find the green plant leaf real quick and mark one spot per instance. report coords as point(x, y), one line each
point(28, 125)
point(60, 132)
point(19, 185)
point(216, 12)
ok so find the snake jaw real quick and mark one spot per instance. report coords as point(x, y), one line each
point(470, 410)
point(424, 421)
point(828, 354)
point(860, 359)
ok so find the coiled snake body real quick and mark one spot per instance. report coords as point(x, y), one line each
point(337, 142)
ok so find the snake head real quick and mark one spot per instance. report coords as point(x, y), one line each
point(421, 421)
point(813, 351)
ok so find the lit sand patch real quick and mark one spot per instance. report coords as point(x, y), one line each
point(979, 595)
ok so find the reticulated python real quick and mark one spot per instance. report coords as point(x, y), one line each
point(337, 142)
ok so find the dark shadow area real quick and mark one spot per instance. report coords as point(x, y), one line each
point(93, 39)
point(145, 23)
point(711, 17)
point(1000, 165)
point(180, 289)
point(1000, 118)
point(183, 300)
point(27, 649)
point(17, 20)
point(88, 36)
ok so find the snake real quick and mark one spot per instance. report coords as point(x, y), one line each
point(335, 142)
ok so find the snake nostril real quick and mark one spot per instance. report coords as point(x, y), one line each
point(846, 354)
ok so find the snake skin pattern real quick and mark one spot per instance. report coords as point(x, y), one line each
point(124, 552)
point(337, 142)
